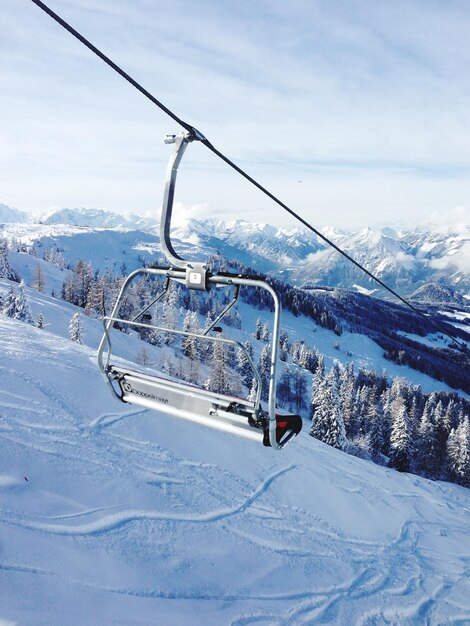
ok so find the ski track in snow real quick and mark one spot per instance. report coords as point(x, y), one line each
point(118, 520)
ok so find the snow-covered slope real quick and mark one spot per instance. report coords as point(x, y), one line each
point(114, 515)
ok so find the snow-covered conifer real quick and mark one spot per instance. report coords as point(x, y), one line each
point(82, 281)
point(191, 346)
point(299, 387)
point(426, 442)
point(295, 350)
point(9, 302)
point(258, 331)
point(265, 370)
point(283, 346)
point(376, 430)
point(303, 356)
point(219, 380)
point(76, 330)
point(401, 443)
point(458, 453)
point(284, 392)
point(38, 282)
point(40, 321)
point(327, 422)
point(265, 332)
point(22, 310)
point(170, 312)
point(6, 270)
point(253, 390)
point(317, 389)
point(346, 398)
point(243, 365)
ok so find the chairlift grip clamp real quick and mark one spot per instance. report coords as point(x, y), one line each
point(197, 276)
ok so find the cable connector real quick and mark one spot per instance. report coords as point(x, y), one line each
point(196, 135)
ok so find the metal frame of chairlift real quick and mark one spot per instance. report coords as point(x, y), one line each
point(217, 410)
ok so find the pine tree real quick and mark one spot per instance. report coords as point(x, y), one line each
point(317, 389)
point(38, 282)
point(426, 443)
point(6, 270)
point(243, 365)
point(218, 380)
point(303, 356)
point(257, 333)
point(76, 331)
point(23, 312)
point(190, 345)
point(265, 370)
point(40, 321)
point(299, 385)
point(376, 435)
point(9, 303)
point(295, 350)
point(265, 332)
point(327, 423)
point(283, 346)
point(68, 288)
point(442, 434)
point(458, 453)
point(253, 391)
point(82, 281)
point(284, 393)
point(401, 445)
point(170, 312)
point(346, 396)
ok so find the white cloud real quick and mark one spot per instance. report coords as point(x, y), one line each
point(460, 260)
point(407, 261)
point(456, 221)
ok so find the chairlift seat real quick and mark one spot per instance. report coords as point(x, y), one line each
point(180, 399)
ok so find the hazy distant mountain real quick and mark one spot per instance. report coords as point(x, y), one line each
point(95, 218)
point(9, 215)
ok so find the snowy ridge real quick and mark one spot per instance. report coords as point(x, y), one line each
point(130, 515)
point(404, 259)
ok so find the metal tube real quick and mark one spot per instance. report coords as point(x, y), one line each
point(225, 311)
point(154, 301)
point(181, 142)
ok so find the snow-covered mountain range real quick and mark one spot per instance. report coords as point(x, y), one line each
point(405, 259)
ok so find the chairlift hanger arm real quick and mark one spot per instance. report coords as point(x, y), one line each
point(181, 142)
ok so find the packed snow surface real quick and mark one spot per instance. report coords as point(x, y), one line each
point(110, 514)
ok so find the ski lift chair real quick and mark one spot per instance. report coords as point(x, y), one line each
point(242, 416)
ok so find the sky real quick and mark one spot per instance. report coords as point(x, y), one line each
point(355, 113)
